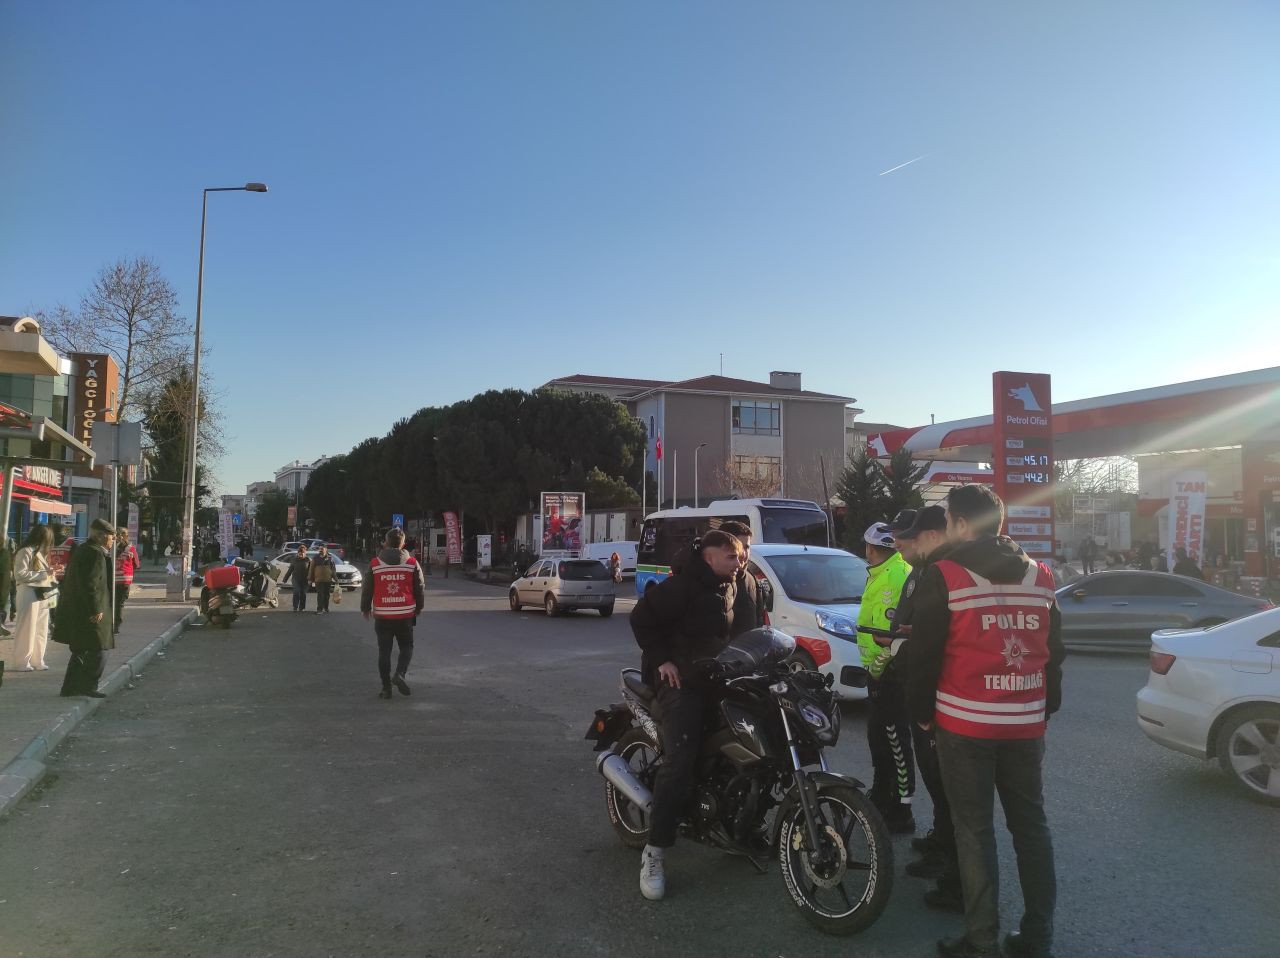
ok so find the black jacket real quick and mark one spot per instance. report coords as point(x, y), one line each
point(905, 610)
point(84, 593)
point(748, 607)
point(997, 559)
point(684, 618)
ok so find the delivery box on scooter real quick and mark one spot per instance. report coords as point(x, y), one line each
point(223, 577)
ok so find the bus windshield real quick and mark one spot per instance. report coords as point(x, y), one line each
point(799, 527)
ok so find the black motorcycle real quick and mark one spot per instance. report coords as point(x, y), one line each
point(763, 788)
point(254, 586)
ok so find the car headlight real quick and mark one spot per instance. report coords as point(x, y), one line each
point(841, 626)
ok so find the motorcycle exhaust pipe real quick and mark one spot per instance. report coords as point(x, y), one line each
point(618, 774)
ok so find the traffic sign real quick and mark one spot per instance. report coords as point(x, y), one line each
point(397, 519)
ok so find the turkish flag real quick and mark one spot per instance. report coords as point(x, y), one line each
point(658, 446)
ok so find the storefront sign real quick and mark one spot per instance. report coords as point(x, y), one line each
point(1186, 515)
point(1022, 456)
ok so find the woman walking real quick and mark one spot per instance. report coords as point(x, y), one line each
point(127, 563)
point(323, 571)
point(34, 579)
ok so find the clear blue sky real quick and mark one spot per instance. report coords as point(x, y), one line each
point(476, 194)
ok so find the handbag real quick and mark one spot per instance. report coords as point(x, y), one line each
point(44, 592)
point(337, 595)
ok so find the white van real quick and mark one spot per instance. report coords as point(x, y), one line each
point(813, 594)
point(603, 550)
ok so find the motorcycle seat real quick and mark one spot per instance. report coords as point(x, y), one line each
point(631, 679)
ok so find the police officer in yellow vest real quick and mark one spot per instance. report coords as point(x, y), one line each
point(888, 723)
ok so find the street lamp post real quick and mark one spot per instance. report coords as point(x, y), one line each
point(696, 503)
point(189, 470)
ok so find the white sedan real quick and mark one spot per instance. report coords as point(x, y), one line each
point(349, 577)
point(1215, 693)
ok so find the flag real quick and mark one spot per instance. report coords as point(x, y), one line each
point(658, 447)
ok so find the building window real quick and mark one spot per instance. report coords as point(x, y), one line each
point(757, 418)
point(759, 474)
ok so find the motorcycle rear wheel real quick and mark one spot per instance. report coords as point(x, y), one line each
point(631, 824)
point(845, 892)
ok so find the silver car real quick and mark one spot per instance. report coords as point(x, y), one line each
point(1120, 610)
point(562, 585)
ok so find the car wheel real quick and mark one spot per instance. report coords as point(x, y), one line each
point(1249, 751)
point(606, 610)
point(514, 598)
point(551, 605)
point(802, 661)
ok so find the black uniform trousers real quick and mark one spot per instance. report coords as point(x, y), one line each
point(399, 631)
point(84, 671)
point(889, 737)
point(680, 715)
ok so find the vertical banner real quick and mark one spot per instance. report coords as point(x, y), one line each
point(133, 523)
point(562, 518)
point(1186, 515)
point(226, 532)
point(292, 519)
point(484, 552)
point(453, 539)
point(1022, 458)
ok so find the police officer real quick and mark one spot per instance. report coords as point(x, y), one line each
point(888, 725)
point(393, 594)
point(986, 669)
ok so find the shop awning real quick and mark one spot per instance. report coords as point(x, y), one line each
point(50, 507)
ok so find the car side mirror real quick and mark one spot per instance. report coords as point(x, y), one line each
point(1079, 594)
point(766, 593)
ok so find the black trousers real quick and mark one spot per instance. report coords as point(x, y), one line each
point(681, 713)
point(889, 737)
point(974, 770)
point(299, 596)
point(399, 631)
point(84, 671)
point(122, 593)
point(323, 591)
point(926, 748)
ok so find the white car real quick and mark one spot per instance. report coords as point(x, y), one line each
point(563, 585)
point(349, 577)
point(1214, 692)
point(813, 594)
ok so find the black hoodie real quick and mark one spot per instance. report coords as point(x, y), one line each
point(684, 618)
point(1001, 561)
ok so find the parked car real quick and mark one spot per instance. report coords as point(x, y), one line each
point(1214, 692)
point(1120, 610)
point(813, 594)
point(562, 585)
point(349, 577)
point(603, 550)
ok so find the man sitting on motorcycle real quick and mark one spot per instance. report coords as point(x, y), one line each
point(684, 619)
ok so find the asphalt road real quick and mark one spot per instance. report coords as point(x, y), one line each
point(253, 797)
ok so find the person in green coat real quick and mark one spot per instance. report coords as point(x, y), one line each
point(84, 617)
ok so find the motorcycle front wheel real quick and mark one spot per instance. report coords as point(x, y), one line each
point(632, 824)
point(841, 887)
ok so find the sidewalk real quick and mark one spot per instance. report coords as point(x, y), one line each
point(34, 718)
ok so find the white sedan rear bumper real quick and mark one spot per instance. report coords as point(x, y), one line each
point(1175, 721)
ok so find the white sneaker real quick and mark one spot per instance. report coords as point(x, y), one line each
point(653, 878)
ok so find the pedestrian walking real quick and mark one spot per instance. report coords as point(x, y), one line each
point(888, 723)
point(393, 594)
point(1187, 566)
point(615, 567)
point(127, 564)
point(300, 571)
point(986, 669)
point(1088, 553)
point(37, 588)
point(6, 581)
point(84, 611)
point(324, 572)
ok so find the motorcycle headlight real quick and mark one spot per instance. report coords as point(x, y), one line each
point(813, 716)
point(841, 626)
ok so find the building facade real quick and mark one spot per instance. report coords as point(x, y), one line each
point(716, 436)
point(294, 476)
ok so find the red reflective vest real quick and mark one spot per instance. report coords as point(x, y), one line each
point(393, 589)
point(127, 563)
point(992, 683)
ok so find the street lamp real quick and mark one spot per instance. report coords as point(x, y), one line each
point(189, 479)
point(696, 504)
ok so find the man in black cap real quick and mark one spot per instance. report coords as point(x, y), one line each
point(925, 541)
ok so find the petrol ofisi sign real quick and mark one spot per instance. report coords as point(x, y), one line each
point(1022, 457)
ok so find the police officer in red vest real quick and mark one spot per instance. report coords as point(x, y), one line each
point(393, 595)
point(986, 670)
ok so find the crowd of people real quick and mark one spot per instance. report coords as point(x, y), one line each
point(964, 670)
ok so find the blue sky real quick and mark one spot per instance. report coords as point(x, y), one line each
point(477, 194)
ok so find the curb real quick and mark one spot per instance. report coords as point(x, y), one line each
point(24, 772)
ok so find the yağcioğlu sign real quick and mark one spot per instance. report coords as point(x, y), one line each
point(97, 378)
point(1022, 458)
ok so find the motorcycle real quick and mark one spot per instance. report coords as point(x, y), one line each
point(763, 788)
point(223, 593)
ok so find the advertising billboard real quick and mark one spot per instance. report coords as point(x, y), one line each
point(453, 539)
point(1022, 458)
point(562, 518)
point(1186, 515)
